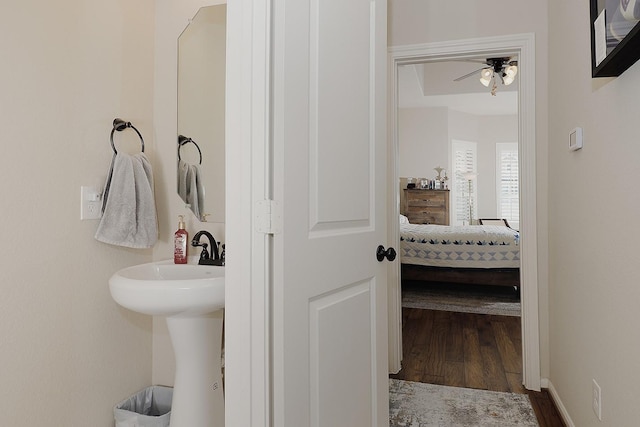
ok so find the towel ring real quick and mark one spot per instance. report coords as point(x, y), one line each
point(182, 140)
point(120, 125)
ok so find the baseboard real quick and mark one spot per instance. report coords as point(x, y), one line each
point(546, 383)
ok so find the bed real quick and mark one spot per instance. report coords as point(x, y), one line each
point(476, 254)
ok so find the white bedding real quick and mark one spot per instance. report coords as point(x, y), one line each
point(475, 246)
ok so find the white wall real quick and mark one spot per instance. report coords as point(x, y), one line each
point(593, 211)
point(491, 131)
point(423, 136)
point(424, 142)
point(426, 21)
point(68, 352)
point(466, 127)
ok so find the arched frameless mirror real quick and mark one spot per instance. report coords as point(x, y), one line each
point(201, 113)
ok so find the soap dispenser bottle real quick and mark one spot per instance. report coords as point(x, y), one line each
point(180, 243)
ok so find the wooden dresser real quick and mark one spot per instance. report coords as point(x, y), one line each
point(426, 206)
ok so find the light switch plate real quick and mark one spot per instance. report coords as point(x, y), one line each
point(90, 203)
point(575, 139)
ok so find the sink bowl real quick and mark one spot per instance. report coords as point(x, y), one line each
point(167, 289)
point(191, 297)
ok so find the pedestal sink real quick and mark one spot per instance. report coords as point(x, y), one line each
point(191, 297)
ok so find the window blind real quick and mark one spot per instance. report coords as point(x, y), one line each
point(508, 184)
point(464, 191)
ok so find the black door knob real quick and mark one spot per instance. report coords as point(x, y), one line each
point(389, 254)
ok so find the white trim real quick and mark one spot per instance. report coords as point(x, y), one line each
point(247, 311)
point(393, 227)
point(524, 46)
point(558, 402)
point(544, 383)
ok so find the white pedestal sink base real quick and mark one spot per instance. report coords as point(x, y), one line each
point(191, 297)
point(198, 399)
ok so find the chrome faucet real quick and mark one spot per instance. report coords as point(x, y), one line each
point(205, 258)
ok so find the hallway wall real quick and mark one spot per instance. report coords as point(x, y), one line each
point(594, 289)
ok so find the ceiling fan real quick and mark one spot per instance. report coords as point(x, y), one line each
point(505, 68)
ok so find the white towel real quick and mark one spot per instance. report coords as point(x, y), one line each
point(129, 209)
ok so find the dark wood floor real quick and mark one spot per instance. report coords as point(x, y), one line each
point(469, 350)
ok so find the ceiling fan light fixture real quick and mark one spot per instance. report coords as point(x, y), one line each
point(509, 74)
point(506, 79)
point(485, 76)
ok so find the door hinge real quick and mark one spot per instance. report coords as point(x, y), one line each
point(268, 217)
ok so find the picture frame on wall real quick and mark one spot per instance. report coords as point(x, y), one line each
point(615, 36)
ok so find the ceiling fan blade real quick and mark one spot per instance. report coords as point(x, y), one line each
point(474, 60)
point(468, 75)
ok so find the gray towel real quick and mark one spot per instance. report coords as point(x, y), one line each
point(129, 208)
point(190, 187)
point(183, 173)
point(196, 191)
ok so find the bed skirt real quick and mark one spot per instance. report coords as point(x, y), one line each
point(472, 276)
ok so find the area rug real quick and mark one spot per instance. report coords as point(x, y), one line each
point(414, 404)
point(461, 298)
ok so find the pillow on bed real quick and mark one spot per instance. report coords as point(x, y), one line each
point(404, 219)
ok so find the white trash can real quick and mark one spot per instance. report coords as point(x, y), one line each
point(150, 407)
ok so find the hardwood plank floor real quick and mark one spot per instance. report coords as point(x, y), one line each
point(469, 350)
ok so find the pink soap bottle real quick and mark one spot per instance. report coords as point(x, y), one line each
point(180, 243)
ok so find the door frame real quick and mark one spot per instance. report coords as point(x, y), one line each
point(248, 167)
point(524, 46)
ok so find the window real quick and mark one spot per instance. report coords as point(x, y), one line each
point(508, 193)
point(464, 191)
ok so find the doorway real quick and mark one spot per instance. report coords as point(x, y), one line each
point(523, 47)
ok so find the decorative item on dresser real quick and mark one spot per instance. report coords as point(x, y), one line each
point(427, 206)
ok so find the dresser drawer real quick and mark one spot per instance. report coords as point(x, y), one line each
point(428, 218)
point(426, 198)
point(427, 206)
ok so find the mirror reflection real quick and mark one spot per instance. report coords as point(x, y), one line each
point(201, 113)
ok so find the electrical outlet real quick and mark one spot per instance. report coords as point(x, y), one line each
point(90, 203)
point(596, 399)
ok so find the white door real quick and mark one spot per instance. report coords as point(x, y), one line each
point(329, 295)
